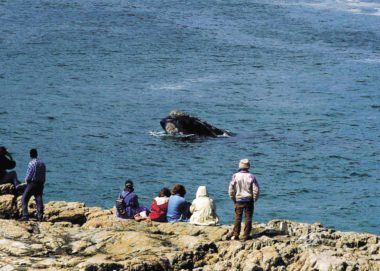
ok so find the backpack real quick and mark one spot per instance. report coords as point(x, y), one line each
point(120, 204)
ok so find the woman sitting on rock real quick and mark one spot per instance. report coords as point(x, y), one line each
point(127, 204)
point(178, 207)
point(202, 209)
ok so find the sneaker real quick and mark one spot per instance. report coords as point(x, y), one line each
point(23, 219)
point(235, 238)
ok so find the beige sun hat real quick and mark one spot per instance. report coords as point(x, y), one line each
point(244, 164)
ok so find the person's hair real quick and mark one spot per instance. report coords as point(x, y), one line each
point(164, 192)
point(179, 189)
point(33, 153)
point(129, 185)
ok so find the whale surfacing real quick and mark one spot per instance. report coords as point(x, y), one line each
point(182, 123)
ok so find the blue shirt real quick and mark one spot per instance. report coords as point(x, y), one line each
point(36, 172)
point(178, 209)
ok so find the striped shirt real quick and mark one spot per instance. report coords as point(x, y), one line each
point(244, 187)
point(36, 171)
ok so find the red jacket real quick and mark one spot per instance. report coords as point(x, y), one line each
point(158, 209)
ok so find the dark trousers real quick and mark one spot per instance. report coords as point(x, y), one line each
point(247, 209)
point(10, 177)
point(36, 190)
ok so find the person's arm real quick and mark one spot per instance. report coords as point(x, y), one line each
point(192, 207)
point(30, 172)
point(255, 189)
point(135, 202)
point(231, 188)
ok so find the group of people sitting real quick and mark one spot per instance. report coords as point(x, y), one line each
point(171, 206)
point(168, 206)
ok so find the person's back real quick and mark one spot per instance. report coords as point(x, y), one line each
point(159, 207)
point(36, 171)
point(202, 209)
point(178, 207)
point(244, 190)
point(130, 199)
point(35, 180)
point(243, 186)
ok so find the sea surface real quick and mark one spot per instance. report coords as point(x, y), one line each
point(297, 82)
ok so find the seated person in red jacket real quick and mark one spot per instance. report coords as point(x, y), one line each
point(158, 208)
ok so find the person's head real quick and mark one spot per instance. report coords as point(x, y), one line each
point(164, 192)
point(33, 153)
point(244, 164)
point(129, 185)
point(179, 189)
point(202, 191)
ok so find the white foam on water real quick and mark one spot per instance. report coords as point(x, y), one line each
point(370, 60)
point(163, 134)
point(353, 6)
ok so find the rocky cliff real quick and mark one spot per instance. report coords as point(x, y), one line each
point(76, 237)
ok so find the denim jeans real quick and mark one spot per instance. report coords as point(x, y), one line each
point(240, 208)
point(36, 190)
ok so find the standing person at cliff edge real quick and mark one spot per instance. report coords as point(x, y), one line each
point(35, 180)
point(244, 190)
point(7, 162)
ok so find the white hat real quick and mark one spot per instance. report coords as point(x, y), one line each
point(244, 164)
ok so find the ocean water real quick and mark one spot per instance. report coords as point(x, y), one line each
point(297, 82)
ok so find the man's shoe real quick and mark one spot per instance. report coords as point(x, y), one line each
point(247, 238)
point(235, 238)
point(23, 219)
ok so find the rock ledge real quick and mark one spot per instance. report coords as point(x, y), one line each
point(76, 237)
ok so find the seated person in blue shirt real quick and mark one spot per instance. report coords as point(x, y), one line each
point(178, 207)
point(129, 205)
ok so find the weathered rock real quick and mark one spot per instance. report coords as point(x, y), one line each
point(76, 237)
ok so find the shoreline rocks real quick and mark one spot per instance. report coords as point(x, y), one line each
point(76, 237)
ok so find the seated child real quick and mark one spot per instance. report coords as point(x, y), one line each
point(127, 205)
point(159, 207)
point(203, 209)
point(178, 207)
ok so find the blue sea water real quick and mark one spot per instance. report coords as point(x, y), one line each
point(298, 82)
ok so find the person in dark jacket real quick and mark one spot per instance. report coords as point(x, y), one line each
point(7, 162)
point(35, 181)
point(132, 206)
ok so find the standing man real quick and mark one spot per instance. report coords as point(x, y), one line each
point(35, 179)
point(7, 162)
point(244, 190)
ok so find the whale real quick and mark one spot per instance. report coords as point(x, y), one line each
point(181, 123)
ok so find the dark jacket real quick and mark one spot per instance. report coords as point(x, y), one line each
point(132, 203)
point(5, 163)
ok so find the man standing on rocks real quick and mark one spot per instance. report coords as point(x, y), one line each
point(244, 190)
point(35, 180)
